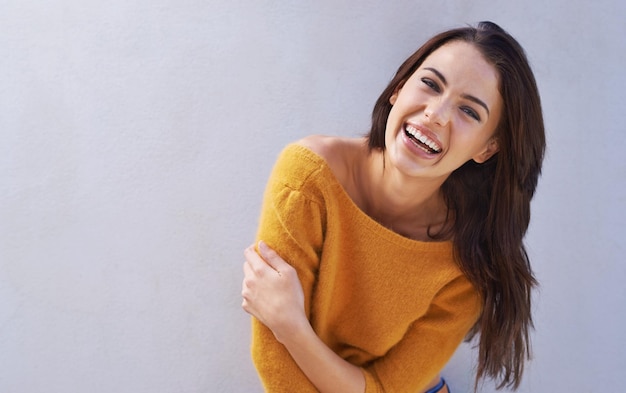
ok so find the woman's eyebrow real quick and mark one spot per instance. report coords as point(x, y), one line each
point(439, 75)
point(466, 96)
point(476, 100)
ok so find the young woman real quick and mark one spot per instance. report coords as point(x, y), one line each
point(379, 255)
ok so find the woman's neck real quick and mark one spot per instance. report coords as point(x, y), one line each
point(409, 206)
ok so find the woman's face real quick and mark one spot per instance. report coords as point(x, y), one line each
point(445, 114)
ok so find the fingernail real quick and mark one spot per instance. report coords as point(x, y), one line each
point(262, 246)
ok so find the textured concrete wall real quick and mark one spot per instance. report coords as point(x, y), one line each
point(136, 138)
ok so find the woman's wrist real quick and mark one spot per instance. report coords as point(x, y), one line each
point(293, 331)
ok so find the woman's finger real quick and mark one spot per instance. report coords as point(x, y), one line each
point(257, 264)
point(247, 288)
point(248, 273)
point(272, 258)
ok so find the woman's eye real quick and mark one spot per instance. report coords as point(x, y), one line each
point(432, 84)
point(470, 112)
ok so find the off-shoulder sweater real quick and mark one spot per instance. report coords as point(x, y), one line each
point(398, 308)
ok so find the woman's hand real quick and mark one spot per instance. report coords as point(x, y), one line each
point(273, 294)
point(272, 291)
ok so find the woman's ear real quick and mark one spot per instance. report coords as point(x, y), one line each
point(492, 148)
point(394, 96)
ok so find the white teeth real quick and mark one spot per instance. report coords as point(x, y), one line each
point(422, 138)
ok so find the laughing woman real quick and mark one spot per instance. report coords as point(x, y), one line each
point(377, 256)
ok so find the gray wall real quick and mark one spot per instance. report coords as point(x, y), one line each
point(136, 138)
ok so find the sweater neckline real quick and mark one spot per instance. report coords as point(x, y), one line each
point(328, 176)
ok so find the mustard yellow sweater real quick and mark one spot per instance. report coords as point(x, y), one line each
point(396, 307)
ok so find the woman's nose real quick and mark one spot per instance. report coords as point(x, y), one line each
point(438, 112)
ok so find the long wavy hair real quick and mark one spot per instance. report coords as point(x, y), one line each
point(490, 202)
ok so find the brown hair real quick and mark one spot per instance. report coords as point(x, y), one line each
point(490, 202)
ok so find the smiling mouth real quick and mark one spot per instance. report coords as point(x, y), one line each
point(422, 141)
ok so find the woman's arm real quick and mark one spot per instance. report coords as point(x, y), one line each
point(273, 294)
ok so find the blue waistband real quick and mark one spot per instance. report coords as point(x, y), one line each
point(435, 389)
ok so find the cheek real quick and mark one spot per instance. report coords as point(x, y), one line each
point(467, 141)
point(389, 131)
point(392, 123)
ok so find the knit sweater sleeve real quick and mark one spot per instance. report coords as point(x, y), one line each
point(428, 344)
point(291, 222)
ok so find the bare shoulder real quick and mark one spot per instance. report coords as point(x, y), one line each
point(333, 149)
point(340, 153)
